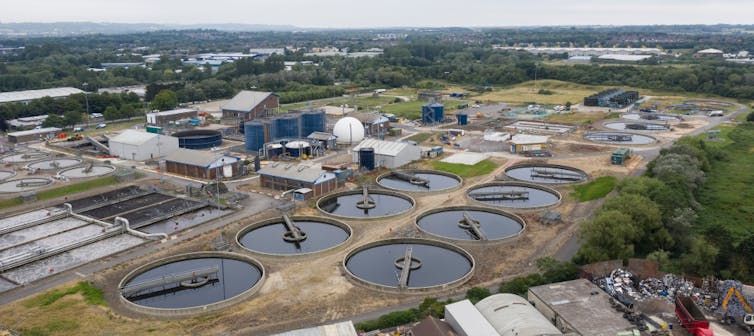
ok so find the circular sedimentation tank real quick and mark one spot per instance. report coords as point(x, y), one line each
point(419, 180)
point(373, 204)
point(191, 283)
point(517, 195)
point(86, 171)
point(620, 138)
point(650, 116)
point(470, 223)
point(54, 164)
point(546, 173)
point(432, 265)
point(199, 139)
point(23, 184)
point(637, 126)
point(309, 235)
point(6, 174)
point(24, 157)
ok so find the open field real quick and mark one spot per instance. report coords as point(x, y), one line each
point(596, 189)
point(727, 197)
point(481, 168)
point(75, 188)
point(576, 118)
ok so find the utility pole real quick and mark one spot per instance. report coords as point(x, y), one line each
point(86, 99)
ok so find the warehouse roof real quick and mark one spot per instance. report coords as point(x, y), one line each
point(171, 112)
point(337, 329)
point(15, 96)
point(245, 101)
point(430, 326)
point(710, 51)
point(512, 315)
point(624, 57)
point(309, 174)
point(528, 139)
point(369, 117)
point(469, 319)
point(583, 305)
point(381, 147)
point(133, 137)
point(197, 158)
point(321, 136)
point(35, 131)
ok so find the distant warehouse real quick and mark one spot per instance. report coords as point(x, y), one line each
point(282, 176)
point(388, 154)
point(29, 95)
point(164, 117)
point(248, 105)
point(616, 98)
point(141, 146)
point(33, 135)
point(204, 165)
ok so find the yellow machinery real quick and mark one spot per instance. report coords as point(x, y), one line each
point(748, 318)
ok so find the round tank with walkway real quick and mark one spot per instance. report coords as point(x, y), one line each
point(470, 223)
point(637, 126)
point(24, 157)
point(514, 195)
point(51, 164)
point(191, 283)
point(89, 170)
point(293, 235)
point(23, 184)
point(407, 265)
point(365, 204)
point(6, 174)
point(620, 138)
point(546, 173)
point(419, 180)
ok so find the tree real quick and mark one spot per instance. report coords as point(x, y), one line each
point(700, 260)
point(476, 294)
point(111, 113)
point(610, 235)
point(165, 100)
point(71, 118)
point(54, 120)
point(647, 221)
point(750, 117)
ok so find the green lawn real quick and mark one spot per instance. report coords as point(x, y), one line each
point(596, 189)
point(727, 197)
point(481, 168)
point(420, 137)
point(11, 202)
point(76, 188)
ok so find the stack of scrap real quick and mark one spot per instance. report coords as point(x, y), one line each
point(670, 286)
point(735, 307)
point(624, 286)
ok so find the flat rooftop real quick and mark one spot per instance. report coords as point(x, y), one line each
point(583, 305)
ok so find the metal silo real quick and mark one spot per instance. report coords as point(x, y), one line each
point(254, 134)
point(312, 121)
point(366, 158)
point(463, 118)
point(433, 113)
point(285, 126)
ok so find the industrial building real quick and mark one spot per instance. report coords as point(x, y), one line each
point(165, 117)
point(498, 315)
point(297, 125)
point(29, 95)
point(141, 146)
point(578, 306)
point(709, 53)
point(431, 326)
point(523, 143)
point(375, 124)
point(430, 96)
point(616, 98)
point(336, 329)
point(203, 165)
point(433, 113)
point(326, 140)
point(572, 51)
point(33, 135)
point(248, 105)
point(388, 154)
point(27, 122)
point(289, 176)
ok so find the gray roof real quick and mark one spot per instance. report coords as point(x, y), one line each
point(381, 147)
point(337, 329)
point(310, 174)
point(321, 136)
point(7, 97)
point(172, 112)
point(133, 137)
point(194, 157)
point(512, 315)
point(35, 131)
point(245, 101)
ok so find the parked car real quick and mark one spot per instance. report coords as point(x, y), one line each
point(78, 129)
point(100, 126)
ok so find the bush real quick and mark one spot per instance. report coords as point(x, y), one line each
point(476, 294)
point(750, 117)
point(545, 92)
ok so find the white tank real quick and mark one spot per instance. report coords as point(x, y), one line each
point(297, 145)
point(349, 131)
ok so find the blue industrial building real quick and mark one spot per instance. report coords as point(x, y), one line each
point(433, 113)
point(296, 125)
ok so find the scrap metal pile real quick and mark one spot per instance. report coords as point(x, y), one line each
point(627, 288)
point(735, 307)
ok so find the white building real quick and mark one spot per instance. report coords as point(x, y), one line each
point(498, 315)
point(141, 146)
point(466, 320)
point(29, 95)
point(388, 154)
point(521, 143)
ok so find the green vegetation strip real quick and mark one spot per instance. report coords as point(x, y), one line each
point(596, 189)
point(76, 188)
point(91, 294)
point(11, 202)
point(481, 168)
point(420, 137)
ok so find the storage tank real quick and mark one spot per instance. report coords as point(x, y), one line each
point(199, 139)
point(462, 118)
point(285, 126)
point(274, 150)
point(254, 135)
point(312, 121)
point(366, 158)
point(349, 131)
point(298, 148)
point(433, 113)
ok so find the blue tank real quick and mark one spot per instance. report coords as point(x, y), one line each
point(286, 126)
point(255, 137)
point(366, 158)
point(463, 118)
point(313, 121)
point(433, 113)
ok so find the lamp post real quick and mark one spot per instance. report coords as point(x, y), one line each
point(217, 176)
point(86, 99)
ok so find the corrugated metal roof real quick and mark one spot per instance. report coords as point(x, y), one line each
point(133, 137)
point(245, 101)
point(171, 112)
point(7, 97)
point(389, 148)
point(321, 136)
point(337, 329)
point(310, 174)
point(35, 131)
point(431, 326)
point(195, 157)
point(528, 139)
point(470, 319)
point(512, 315)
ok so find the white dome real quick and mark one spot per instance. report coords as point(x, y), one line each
point(349, 130)
point(297, 144)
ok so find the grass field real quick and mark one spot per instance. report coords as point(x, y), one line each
point(727, 197)
point(481, 168)
point(420, 137)
point(11, 202)
point(596, 189)
point(76, 188)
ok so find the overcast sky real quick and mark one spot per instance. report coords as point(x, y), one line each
point(385, 13)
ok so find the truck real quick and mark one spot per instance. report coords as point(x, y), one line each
point(691, 317)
